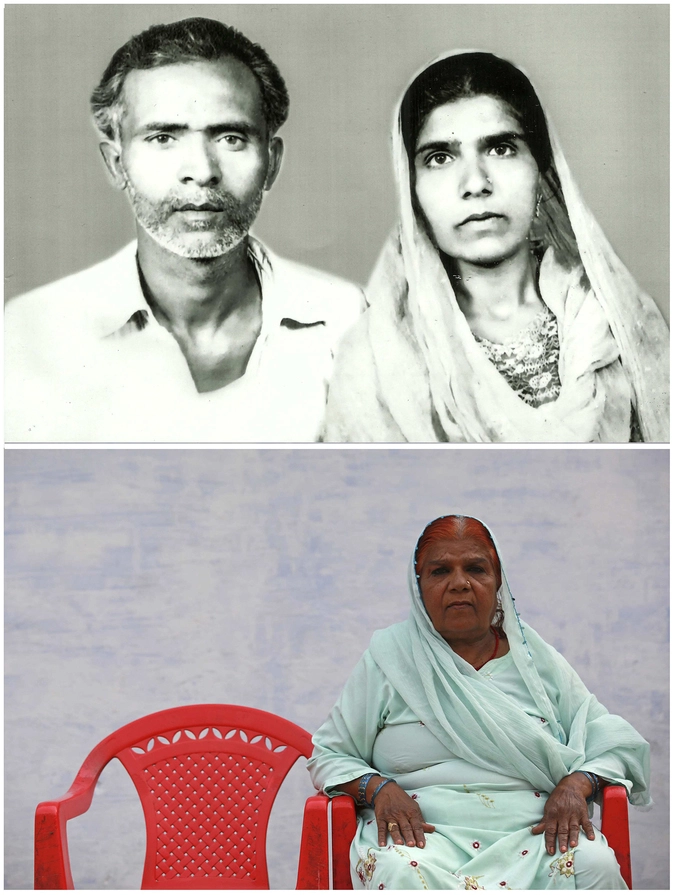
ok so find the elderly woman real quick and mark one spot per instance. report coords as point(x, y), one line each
point(470, 745)
point(498, 310)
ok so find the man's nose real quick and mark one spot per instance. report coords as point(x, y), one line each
point(200, 163)
point(474, 178)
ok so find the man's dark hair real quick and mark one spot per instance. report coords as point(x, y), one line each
point(190, 40)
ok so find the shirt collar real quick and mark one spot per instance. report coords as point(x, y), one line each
point(122, 297)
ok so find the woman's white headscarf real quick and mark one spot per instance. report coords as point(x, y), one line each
point(412, 370)
point(476, 721)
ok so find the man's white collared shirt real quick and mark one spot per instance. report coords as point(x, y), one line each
point(86, 361)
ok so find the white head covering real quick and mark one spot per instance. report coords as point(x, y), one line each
point(427, 379)
point(478, 722)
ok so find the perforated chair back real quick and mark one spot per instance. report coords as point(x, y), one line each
point(207, 777)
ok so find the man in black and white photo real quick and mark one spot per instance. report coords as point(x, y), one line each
point(195, 332)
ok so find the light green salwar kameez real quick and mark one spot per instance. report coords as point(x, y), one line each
point(480, 751)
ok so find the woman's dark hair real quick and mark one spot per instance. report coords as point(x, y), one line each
point(476, 74)
point(189, 40)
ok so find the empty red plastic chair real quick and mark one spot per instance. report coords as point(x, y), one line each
point(330, 825)
point(207, 776)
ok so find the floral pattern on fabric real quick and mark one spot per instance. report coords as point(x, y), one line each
point(564, 865)
point(471, 882)
point(529, 362)
point(485, 799)
point(366, 867)
point(414, 864)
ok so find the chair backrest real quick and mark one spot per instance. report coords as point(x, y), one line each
point(207, 776)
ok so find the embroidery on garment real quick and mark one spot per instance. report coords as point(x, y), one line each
point(529, 362)
point(563, 866)
point(486, 800)
point(365, 867)
point(413, 864)
point(471, 882)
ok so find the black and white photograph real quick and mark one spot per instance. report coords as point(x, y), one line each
point(344, 223)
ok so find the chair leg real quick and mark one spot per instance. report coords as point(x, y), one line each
point(344, 830)
point(615, 828)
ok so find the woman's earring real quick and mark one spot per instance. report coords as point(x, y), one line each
point(536, 209)
point(498, 621)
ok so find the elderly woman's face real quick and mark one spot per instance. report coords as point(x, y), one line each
point(476, 180)
point(459, 588)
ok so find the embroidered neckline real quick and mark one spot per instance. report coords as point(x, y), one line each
point(536, 323)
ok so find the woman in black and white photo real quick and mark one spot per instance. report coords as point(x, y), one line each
point(498, 310)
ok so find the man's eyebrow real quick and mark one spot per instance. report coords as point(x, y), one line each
point(213, 130)
point(164, 127)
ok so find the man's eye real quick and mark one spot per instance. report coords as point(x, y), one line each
point(161, 139)
point(233, 141)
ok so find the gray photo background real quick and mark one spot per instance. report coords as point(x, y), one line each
point(138, 580)
point(601, 71)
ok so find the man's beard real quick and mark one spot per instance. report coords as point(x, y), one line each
point(195, 239)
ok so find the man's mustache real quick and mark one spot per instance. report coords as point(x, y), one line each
point(211, 200)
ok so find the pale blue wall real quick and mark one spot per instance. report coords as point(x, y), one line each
point(138, 580)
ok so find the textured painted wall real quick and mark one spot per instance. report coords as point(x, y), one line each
point(137, 580)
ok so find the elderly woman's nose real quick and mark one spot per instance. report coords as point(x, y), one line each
point(458, 580)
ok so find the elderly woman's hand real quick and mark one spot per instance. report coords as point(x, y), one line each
point(399, 815)
point(565, 813)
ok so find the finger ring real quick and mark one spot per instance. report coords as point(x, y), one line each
point(391, 826)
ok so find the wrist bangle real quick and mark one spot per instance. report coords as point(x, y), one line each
point(595, 784)
point(378, 788)
point(361, 800)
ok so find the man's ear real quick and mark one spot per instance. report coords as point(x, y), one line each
point(112, 156)
point(276, 150)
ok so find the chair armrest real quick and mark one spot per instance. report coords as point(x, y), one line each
point(328, 828)
point(614, 827)
point(52, 864)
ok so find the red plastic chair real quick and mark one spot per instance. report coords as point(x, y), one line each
point(330, 825)
point(207, 776)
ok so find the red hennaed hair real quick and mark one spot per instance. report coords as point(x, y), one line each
point(452, 528)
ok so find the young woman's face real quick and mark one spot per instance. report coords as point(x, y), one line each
point(476, 180)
